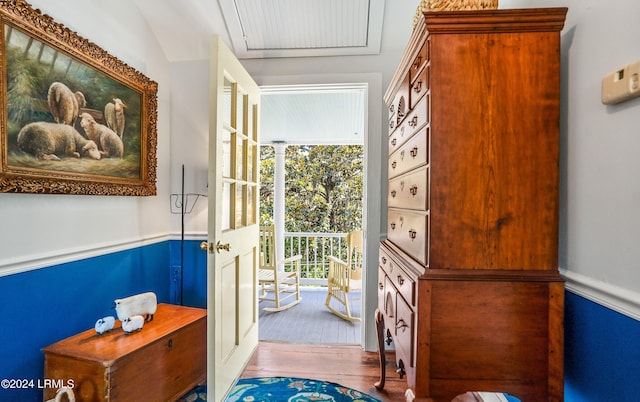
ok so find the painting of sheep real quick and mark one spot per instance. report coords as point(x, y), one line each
point(114, 116)
point(109, 143)
point(52, 141)
point(64, 106)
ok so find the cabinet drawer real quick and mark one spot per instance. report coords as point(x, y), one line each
point(404, 330)
point(400, 106)
point(410, 190)
point(419, 62)
point(409, 231)
point(414, 153)
point(420, 86)
point(416, 120)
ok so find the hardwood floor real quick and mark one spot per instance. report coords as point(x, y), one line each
point(347, 365)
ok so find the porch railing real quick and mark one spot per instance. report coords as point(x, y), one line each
point(314, 249)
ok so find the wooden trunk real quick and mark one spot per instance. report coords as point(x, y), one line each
point(161, 362)
point(469, 289)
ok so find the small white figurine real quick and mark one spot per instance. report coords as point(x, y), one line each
point(142, 304)
point(105, 324)
point(133, 323)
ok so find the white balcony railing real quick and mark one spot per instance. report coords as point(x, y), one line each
point(314, 249)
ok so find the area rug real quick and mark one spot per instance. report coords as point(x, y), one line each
point(285, 389)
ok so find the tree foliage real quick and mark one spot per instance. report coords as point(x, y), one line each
point(323, 190)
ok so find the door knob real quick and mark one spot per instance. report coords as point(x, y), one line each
point(204, 246)
point(221, 246)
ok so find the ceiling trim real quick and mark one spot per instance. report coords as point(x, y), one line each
point(234, 27)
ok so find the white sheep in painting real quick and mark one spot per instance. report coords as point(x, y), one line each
point(109, 144)
point(51, 141)
point(64, 104)
point(105, 324)
point(114, 116)
point(141, 304)
point(133, 323)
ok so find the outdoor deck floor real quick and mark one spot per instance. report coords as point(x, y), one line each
point(310, 322)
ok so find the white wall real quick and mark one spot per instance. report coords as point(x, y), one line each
point(39, 230)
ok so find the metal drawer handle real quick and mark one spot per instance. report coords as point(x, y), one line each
point(400, 279)
point(414, 152)
point(393, 142)
point(393, 194)
point(402, 324)
point(412, 234)
point(393, 165)
point(418, 87)
point(418, 61)
point(392, 108)
point(413, 190)
point(414, 121)
point(380, 285)
point(393, 225)
point(384, 260)
point(391, 124)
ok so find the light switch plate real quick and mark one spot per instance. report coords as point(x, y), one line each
point(622, 84)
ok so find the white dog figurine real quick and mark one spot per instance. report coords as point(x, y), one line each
point(105, 324)
point(144, 304)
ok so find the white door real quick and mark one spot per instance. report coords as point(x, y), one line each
point(232, 327)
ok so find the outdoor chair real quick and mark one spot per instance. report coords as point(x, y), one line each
point(276, 284)
point(345, 276)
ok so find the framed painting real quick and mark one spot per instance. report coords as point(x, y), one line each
point(73, 118)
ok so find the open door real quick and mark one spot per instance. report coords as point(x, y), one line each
point(232, 327)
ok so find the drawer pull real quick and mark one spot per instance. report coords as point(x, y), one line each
point(400, 370)
point(170, 344)
point(391, 124)
point(393, 165)
point(393, 225)
point(414, 121)
point(418, 87)
point(414, 152)
point(391, 108)
point(400, 279)
point(384, 260)
point(393, 194)
point(412, 234)
point(417, 63)
point(413, 190)
point(402, 324)
point(393, 142)
point(389, 338)
point(380, 285)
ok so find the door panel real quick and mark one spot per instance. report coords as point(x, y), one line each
point(232, 326)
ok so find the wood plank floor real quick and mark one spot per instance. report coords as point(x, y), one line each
point(347, 365)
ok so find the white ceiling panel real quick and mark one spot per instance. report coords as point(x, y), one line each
point(299, 28)
point(312, 116)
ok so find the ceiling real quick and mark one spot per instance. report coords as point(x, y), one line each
point(281, 28)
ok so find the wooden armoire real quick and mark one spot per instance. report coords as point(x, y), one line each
point(469, 289)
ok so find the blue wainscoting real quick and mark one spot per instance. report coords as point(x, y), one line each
point(602, 353)
point(46, 305)
point(194, 273)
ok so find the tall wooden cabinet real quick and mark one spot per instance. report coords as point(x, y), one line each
point(469, 289)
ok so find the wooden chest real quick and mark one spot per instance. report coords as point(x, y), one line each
point(161, 362)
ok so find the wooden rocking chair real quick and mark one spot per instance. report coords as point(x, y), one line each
point(277, 285)
point(345, 276)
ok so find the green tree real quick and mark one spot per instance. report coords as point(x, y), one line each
point(323, 191)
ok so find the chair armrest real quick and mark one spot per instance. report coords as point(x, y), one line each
point(291, 259)
point(337, 260)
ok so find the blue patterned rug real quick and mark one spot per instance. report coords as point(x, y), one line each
point(284, 389)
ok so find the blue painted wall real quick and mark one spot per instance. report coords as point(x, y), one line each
point(43, 306)
point(602, 353)
point(194, 273)
point(40, 307)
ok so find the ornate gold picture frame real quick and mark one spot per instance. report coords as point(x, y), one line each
point(73, 118)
